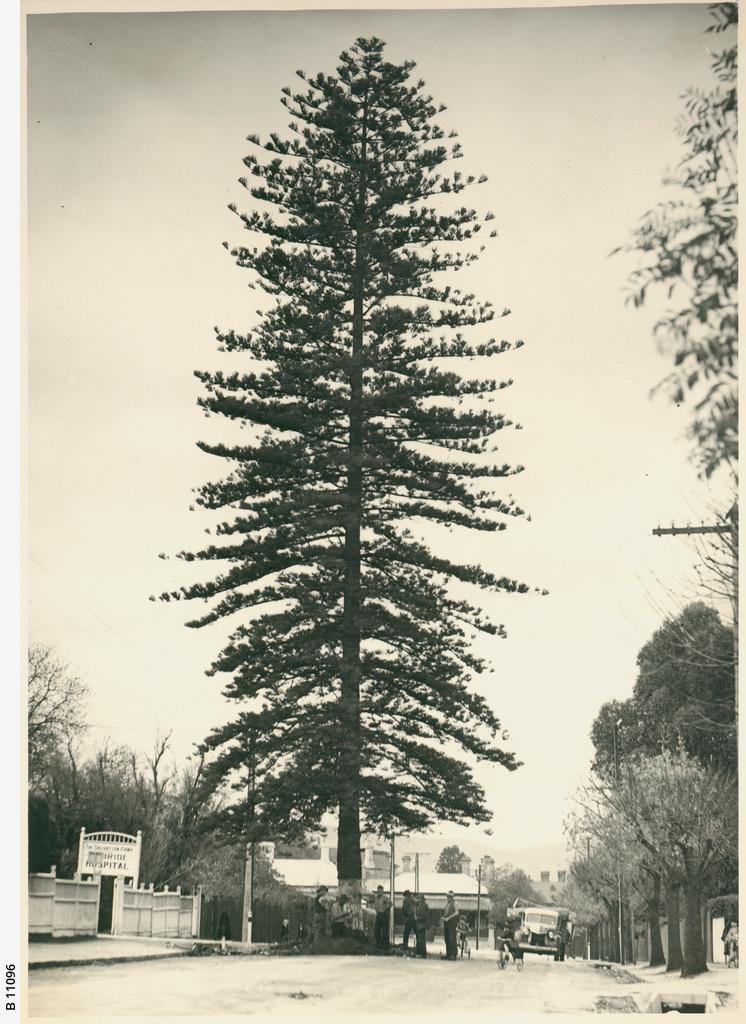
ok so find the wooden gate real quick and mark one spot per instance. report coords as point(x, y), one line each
point(167, 914)
point(62, 906)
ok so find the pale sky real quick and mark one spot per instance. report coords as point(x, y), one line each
point(137, 127)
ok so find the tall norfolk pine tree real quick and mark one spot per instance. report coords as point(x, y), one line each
point(351, 666)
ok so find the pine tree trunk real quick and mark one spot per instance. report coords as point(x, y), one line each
point(349, 863)
point(675, 958)
point(695, 961)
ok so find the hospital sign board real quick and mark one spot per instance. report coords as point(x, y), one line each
point(109, 853)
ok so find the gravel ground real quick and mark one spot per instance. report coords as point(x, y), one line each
point(303, 985)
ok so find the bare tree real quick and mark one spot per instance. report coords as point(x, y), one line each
point(56, 700)
point(686, 817)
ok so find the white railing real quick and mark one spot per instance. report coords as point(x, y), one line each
point(62, 906)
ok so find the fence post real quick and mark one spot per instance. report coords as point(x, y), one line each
point(114, 908)
point(53, 873)
point(81, 843)
point(98, 902)
point(138, 851)
point(196, 911)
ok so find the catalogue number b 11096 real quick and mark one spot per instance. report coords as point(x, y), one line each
point(10, 987)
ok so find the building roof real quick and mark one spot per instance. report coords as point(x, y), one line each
point(306, 872)
point(438, 883)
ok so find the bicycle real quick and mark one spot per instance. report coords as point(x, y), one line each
point(504, 956)
point(464, 946)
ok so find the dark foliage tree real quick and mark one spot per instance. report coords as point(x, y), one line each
point(449, 860)
point(351, 659)
point(684, 694)
point(505, 884)
point(689, 245)
point(41, 835)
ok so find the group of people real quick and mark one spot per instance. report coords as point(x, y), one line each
point(415, 911)
point(334, 916)
point(416, 916)
point(337, 912)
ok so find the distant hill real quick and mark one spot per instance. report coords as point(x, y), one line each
point(531, 859)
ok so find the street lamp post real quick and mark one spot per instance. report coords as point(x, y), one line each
point(619, 866)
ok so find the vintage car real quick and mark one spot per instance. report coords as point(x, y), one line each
point(545, 930)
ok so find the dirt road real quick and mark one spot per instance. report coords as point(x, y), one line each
point(346, 985)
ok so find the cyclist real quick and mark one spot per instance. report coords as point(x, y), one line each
point(519, 935)
point(505, 947)
point(462, 931)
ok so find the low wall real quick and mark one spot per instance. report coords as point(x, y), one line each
point(62, 906)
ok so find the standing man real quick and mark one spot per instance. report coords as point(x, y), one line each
point(382, 906)
point(341, 916)
point(450, 921)
point(421, 915)
point(320, 907)
point(407, 909)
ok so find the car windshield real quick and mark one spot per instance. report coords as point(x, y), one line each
point(549, 919)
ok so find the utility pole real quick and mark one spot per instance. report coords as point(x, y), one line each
point(417, 869)
point(392, 877)
point(479, 899)
point(731, 528)
point(619, 866)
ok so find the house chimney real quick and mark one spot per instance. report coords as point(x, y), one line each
point(465, 864)
point(406, 862)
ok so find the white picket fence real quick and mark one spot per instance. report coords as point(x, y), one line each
point(168, 914)
point(62, 906)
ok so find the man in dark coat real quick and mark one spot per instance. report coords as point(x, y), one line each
point(410, 925)
point(421, 915)
point(450, 921)
point(320, 908)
